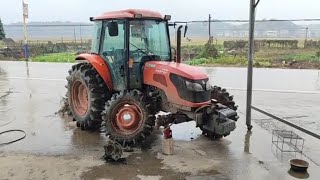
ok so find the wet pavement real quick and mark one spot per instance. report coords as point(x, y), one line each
point(31, 94)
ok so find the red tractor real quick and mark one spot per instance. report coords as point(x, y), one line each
point(131, 75)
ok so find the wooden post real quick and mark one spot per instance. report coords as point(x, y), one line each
point(25, 34)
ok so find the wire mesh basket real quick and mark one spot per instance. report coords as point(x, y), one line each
point(287, 141)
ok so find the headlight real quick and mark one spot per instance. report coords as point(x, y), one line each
point(194, 86)
point(208, 86)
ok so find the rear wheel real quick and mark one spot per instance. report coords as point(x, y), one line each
point(87, 94)
point(223, 97)
point(127, 118)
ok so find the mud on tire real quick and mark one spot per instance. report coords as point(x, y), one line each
point(128, 118)
point(223, 97)
point(87, 94)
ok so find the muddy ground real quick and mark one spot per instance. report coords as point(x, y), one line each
point(56, 149)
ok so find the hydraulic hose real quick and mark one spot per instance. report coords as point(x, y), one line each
point(13, 141)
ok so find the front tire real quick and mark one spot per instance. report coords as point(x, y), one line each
point(127, 118)
point(87, 94)
point(223, 97)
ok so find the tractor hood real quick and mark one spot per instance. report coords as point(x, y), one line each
point(184, 70)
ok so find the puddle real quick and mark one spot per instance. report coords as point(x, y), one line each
point(141, 164)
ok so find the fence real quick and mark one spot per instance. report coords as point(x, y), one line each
point(15, 50)
point(227, 39)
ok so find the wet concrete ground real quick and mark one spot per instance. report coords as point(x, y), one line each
point(54, 148)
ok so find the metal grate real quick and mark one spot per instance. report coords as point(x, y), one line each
point(287, 141)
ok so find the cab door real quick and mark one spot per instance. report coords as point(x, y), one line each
point(113, 51)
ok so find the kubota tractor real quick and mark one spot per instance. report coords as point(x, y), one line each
point(131, 75)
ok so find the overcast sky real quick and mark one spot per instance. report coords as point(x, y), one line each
point(81, 10)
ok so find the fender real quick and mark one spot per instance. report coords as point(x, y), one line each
point(99, 65)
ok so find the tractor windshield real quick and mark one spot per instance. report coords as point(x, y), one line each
point(149, 37)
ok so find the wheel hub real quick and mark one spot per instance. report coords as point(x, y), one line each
point(80, 98)
point(128, 119)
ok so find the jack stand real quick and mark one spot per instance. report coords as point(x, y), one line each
point(167, 141)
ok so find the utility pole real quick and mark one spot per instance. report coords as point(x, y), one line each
point(307, 33)
point(252, 14)
point(80, 35)
point(209, 26)
point(25, 34)
point(74, 35)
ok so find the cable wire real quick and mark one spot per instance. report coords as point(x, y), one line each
point(16, 140)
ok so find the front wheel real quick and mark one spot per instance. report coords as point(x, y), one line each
point(127, 118)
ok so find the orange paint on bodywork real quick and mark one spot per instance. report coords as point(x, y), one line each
point(129, 13)
point(101, 67)
point(163, 68)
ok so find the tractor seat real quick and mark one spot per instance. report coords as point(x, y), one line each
point(118, 55)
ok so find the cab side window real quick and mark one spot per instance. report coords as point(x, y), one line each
point(113, 46)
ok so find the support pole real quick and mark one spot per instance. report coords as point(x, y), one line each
point(250, 62)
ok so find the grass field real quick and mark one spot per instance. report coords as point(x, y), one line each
point(55, 57)
point(263, 58)
point(267, 57)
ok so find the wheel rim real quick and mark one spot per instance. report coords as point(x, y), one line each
point(127, 118)
point(80, 98)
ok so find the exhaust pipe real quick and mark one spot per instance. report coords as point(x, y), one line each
point(178, 60)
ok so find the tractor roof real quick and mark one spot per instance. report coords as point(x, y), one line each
point(129, 13)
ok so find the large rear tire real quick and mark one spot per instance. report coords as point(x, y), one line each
point(87, 94)
point(128, 119)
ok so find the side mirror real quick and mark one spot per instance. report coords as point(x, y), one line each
point(113, 29)
point(173, 54)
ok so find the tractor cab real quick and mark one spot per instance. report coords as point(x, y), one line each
point(126, 40)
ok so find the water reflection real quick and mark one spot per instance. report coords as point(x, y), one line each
point(299, 175)
point(247, 142)
point(285, 156)
point(27, 68)
point(2, 72)
point(318, 81)
point(84, 139)
point(4, 93)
